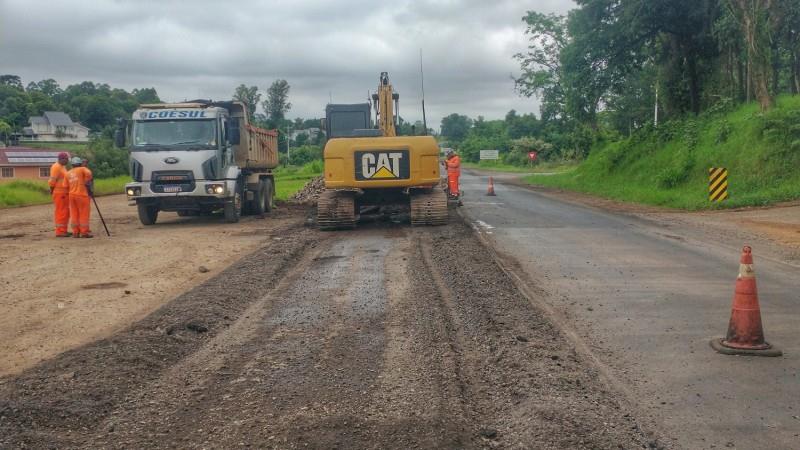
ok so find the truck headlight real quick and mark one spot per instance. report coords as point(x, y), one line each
point(133, 191)
point(217, 189)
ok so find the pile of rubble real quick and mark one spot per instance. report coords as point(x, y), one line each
point(309, 194)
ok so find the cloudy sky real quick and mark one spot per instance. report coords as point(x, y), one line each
point(205, 48)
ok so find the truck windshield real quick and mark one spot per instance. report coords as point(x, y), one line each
point(171, 133)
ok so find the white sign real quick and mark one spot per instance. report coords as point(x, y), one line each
point(490, 154)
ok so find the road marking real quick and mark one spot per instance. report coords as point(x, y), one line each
point(483, 225)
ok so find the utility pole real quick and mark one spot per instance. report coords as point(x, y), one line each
point(655, 121)
point(288, 144)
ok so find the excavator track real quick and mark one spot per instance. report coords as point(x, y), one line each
point(429, 207)
point(336, 210)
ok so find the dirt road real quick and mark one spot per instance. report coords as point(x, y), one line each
point(58, 294)
point(388, 337)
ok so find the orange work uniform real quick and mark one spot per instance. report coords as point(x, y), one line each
point(453, 173)
point(79, 205)
point(60, 186)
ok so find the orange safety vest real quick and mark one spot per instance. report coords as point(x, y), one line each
point(454, 165)
point(79, 177)
point(58, 179)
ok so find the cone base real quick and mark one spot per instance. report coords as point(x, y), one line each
point(491, 194)
point(719, 345)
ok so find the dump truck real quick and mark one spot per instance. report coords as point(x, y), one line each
point(366, 166)
point(198, 157)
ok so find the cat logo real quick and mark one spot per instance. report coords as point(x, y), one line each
point(382, 165)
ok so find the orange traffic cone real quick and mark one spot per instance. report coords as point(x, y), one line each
point(745, 333)
point(490, 192)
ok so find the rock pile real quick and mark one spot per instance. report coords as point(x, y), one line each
point(309, 194)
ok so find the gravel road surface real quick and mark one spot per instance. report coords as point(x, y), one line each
point(384, 337)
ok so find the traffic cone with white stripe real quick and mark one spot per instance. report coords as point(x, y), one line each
point(490, 192)
point(745, 332)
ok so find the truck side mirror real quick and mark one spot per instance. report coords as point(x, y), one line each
point(119, 137)
point(233, 132)
point(323, 124)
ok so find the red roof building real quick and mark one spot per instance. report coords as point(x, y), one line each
point(23, 163)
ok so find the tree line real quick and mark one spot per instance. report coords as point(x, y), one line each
point(608, 67)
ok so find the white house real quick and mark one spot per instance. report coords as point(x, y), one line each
point(312, 133)
point(55, 126)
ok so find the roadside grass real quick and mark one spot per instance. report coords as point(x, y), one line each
point(65, 146)
point(540, 167)
point(668, 166)
point(26, 192)
point(290, 179)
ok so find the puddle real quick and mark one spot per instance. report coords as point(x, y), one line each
point(111, 285)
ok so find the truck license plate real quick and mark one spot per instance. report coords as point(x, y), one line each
point(172, 189)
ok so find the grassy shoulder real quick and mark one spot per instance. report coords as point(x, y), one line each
point(28, 192)
point(290, 179)
point(539, 167)
point(668, 166)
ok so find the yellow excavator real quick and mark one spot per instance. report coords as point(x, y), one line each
point(367, 166)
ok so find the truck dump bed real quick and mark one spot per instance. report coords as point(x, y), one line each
point(258, 148)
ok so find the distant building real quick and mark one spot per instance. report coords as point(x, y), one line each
point(312, 133)
point(55, 126)
point(23, 163)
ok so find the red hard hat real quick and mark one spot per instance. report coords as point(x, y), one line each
point(63, 155)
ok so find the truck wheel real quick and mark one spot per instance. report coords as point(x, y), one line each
point(269, 195)
point(233, 208)
point(259, 198)
point(148, 214)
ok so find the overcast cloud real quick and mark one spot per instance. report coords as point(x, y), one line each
point(204, 49)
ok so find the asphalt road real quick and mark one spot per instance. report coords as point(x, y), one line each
point(647, 296)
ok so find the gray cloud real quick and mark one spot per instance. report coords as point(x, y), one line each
point(204, 48)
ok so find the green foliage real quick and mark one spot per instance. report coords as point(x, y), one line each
point(669, 166)
point(277, 103)
point(249, 96)
point(455, 127)
point(305, 154)
point(105, 160)
point(96, 106)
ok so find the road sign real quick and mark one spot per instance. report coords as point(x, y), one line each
point(717, 184)
point(532, 156)
point(490, 154)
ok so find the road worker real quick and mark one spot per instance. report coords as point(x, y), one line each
point(80, 191)
point(59, 191)
point(453, 164)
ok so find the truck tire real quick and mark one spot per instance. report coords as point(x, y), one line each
point(269, 195)
point(233, 209)
point(259, 199)
point(148, 214)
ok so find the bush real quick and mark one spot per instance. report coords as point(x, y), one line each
point(105, 160)
point(305, 154)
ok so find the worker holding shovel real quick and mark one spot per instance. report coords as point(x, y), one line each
point(80, 190)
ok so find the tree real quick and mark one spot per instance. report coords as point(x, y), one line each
point(455, 127)
point(277, 103)
point(146, 95)
point(249, 96)
point(756, 22)
point(541, 64)
point(48, 87)
point(5, 131)
point(11, 80)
